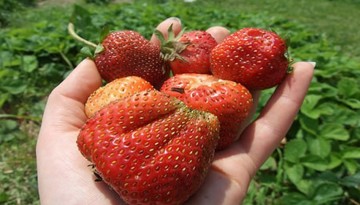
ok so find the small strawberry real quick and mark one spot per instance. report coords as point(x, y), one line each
point(229, 101)
point(115, 90)
point(150, 148)
point(188, 52)
point(251, 56)
point(127, 53)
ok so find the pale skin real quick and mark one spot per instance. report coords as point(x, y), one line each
point(64, 176)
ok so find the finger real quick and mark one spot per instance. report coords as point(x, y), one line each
point(67, 100)
point(256, 96)
point(81, 82)
point(263, 136)
point(218, 32)
point(164, 26)
point(58, 158)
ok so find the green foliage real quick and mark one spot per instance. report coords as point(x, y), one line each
point(318, 165)
point(7, 7)
point(98, 2)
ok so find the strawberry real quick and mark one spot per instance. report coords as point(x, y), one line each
point(150, 148)
point(251, 56)
point(188, 52)
point(127, 53)
point(229, 101)
point(115, 90)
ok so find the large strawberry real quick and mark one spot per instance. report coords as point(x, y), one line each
point(251, 56)
point(115, 90)
point(188, 52)
point(128, 53)
point(229, 101)
point(150, 148)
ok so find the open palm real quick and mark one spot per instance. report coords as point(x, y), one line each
point(65, 178)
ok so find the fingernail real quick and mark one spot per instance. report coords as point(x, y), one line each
point(313, 63)
point(174, 19)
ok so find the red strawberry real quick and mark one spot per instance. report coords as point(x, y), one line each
point(188, 52)
point(115, 90)
point(251, 56)
point(229, 101)
point(128, 53)
point(150, 148)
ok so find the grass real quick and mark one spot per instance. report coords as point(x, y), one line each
point(17, 165)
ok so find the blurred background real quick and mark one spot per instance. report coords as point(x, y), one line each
point(317, 164)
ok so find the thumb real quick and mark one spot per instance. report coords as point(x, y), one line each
point(81, 82)
point(164, 26)
point(65, 105)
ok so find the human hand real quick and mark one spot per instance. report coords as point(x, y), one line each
point(65, 178)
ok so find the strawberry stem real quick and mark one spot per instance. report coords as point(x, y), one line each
point(72, 32)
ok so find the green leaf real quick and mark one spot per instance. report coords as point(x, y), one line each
point(351, 165)
point(334, 131)
point(344, 115)
point(311, 101)
point(315, 162)
point(9, 124)
point(326, 90)
point(294, 150)
point(80, 17)
point(86, 52)
point(3, 197)
point(3, 98)
point(270, 163)
point(294, 198)
point(327, 192)
point(309, 104)
point(351, 153)
point(29, 63)
point(105, 30)
point(348, 87)
point(351, 102)
point(305, 186)
point(323, 109)
point(327, 73)
point(351, 181)
point(319, 146)
point(335, 161)
point(15, 87)
point(327, 176)
point(295, 172)
point(309, 125)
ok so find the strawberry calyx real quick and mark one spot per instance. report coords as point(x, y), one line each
point(171, 47)
point(290, 60)
point(97, 175)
